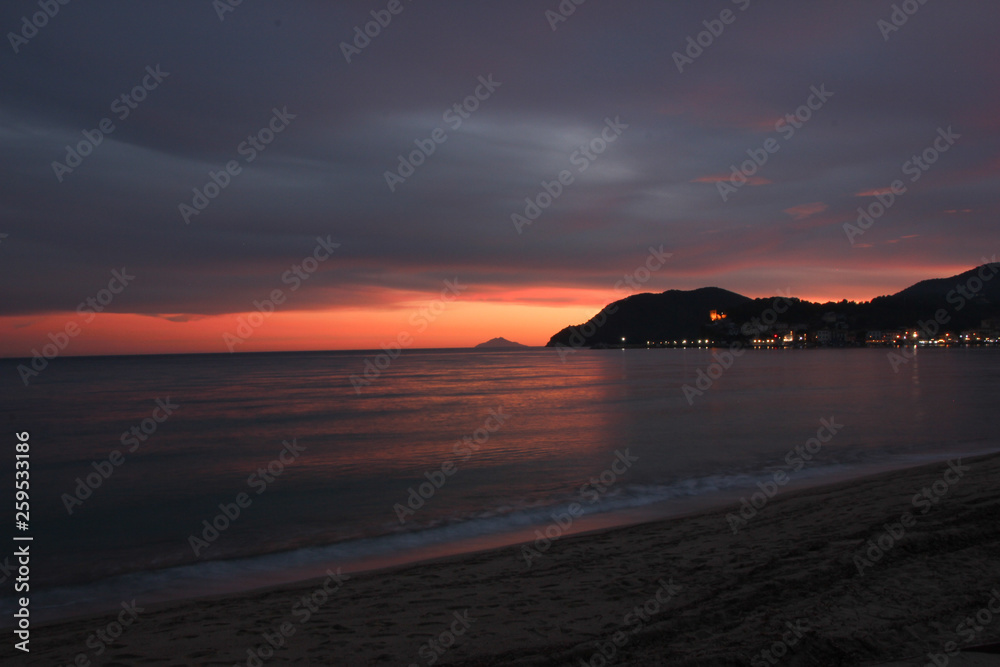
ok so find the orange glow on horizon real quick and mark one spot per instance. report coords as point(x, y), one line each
point(458, 324)
point(528, 315)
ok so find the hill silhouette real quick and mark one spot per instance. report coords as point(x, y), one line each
point(965, 299)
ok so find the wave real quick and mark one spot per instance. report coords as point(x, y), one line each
point(510, 522)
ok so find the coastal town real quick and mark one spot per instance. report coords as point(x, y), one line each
point(833, 330)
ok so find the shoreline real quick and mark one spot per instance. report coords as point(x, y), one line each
point(576, 593)
point(588, 523)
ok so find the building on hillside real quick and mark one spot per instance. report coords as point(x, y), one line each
point(823, 337)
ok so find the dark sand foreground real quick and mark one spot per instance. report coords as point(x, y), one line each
point(788, 583)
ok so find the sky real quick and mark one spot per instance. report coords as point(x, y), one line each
point(198, 176)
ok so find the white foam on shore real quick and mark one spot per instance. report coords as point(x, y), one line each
point(620, 505)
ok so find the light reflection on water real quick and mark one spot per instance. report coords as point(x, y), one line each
point(365, 451)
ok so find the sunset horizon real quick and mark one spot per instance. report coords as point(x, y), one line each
point(570, 333)
point(431, 323)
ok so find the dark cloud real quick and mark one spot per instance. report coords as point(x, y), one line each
point(324, 174)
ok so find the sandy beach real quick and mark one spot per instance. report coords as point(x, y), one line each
point(886, 569)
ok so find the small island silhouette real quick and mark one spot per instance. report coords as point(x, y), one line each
point(500, 342)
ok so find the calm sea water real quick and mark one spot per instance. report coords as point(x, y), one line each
point(565, 425)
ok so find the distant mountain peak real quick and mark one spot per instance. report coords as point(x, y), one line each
point(500, 342)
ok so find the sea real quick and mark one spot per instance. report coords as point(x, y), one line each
point(157, 478)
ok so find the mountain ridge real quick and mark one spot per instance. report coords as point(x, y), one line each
point(957, 303)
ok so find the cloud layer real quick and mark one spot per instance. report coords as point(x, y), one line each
point(551, 94)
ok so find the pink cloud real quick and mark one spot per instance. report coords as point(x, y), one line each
point(720, 178)
point(873, 193)
point(805, 210)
